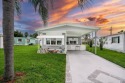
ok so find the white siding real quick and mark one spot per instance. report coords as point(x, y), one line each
point(115, 46)
point(1, 42)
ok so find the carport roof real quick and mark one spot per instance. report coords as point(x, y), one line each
point(71, 29)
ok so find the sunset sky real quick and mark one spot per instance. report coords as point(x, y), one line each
point(101, 13)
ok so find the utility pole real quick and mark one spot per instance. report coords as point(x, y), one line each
point(110, 30)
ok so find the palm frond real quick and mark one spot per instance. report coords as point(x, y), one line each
point(18, 7)
point(85, 3)
point(42, 7)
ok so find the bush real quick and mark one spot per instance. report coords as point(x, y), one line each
point(31, 44)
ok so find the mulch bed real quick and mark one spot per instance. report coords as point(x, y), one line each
point(18, 75)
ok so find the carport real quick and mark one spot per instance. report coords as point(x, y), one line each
point(70, 34)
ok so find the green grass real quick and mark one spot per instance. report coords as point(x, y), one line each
point(113, 56)
point(38, 68)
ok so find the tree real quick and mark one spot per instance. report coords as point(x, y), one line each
point(101, 44)
point(90, 42)
point(122, 31)
point(102, 41)
point(34, 35)
point(18, 33)
point(8, 29)
point(8, 38)
point(26, 34)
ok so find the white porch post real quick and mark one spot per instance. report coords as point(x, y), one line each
point(65, 40)
point(95, 42)
point(38, 44)
point(38, 51)
point(124, 43)
point(81, 40)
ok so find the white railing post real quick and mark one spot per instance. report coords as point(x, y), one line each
point(95, 42)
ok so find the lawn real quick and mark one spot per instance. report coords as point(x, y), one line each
point(113, 56)
point(38, 68)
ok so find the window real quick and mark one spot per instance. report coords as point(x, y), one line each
point(116, 39)
point(28, 40)
point(19, 40)
point(73, 41)
point(48, 41)
point(44, 33)
point(59, 41)
point(53, 41)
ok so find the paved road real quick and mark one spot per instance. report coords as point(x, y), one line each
point(85, 67)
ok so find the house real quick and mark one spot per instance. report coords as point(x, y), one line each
point(1, 41)
point(63, 37)
point(115, 42)
point(24, 40)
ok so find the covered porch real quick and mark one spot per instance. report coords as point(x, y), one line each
point(64, 37)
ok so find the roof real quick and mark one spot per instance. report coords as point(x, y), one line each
point(68, 24)
point(70, 28)
point(114, 34)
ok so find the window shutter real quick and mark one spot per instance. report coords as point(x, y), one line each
point(118, 39)
point(112, 40)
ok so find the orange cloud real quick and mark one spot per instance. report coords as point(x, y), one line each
point(110, 13)
point(82, 20)
point(101, 20)
point(62, 10)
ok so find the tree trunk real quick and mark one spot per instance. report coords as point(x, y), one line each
point(101, 45)
point(45, 23)
point(8, 34)
point(90, 44)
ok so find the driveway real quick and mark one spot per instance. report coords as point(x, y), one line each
point(85, 67)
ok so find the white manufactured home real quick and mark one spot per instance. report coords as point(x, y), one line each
point(63, 37)
point(1, 41)
point(115, 42)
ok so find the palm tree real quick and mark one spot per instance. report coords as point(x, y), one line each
point(8, 37)
point(8, 29)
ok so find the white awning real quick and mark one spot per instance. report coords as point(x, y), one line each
point(49, 36)
point(70, 28)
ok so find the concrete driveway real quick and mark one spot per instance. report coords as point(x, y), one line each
point(85, 67)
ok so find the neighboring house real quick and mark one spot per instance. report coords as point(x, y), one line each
point(63, 37)
point(24, 40)
point(1, 41)
point(115, 42)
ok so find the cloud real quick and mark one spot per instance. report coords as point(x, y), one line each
point(93, 21)
point(101, 20)
point(82, 20)
point(91, 18)
point(104, 14)
point(62, 8)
